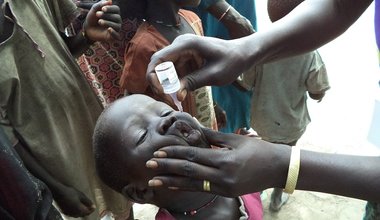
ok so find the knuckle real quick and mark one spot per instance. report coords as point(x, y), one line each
point(162, 165)
point(192, 154)
point(228, 162)
point(187, 169)
point(171, 151)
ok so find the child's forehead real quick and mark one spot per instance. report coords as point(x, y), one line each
point(137, 106)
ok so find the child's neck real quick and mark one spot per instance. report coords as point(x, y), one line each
point(165, 18)
point(205, 206)
point(164, 14)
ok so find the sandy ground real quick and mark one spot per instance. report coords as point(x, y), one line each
point(339, 124)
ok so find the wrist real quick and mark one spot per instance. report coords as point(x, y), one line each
point(85, 37)
point(281, 165)
point(230, 17)
point(220, 10)
point(225, 13)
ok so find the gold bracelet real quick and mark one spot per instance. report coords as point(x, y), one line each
point(294, 168)
point(224, 14)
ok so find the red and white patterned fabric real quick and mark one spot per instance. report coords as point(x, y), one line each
point(102, 64)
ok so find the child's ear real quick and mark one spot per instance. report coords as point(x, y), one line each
point(138, 194)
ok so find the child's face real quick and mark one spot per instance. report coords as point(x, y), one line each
point(149, 124)
point(143, 125)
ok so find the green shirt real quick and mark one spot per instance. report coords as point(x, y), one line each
point(279, 109)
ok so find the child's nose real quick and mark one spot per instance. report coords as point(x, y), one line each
point(165, 124)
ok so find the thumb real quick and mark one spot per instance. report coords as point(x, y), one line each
point(196, 79)
point(220, 139)
point(88, 204)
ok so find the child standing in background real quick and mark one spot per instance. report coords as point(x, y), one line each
point(102, 63)
point(279, 111)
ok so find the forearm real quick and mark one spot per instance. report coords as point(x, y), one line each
point(37, 170)
point(236, 24)
point(218, 9)
point(78, 44)
point(346, 175)
point(18, 188)
point(310, 25)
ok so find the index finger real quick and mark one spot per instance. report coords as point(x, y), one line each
point(205, 156)
point(98, 5)
point(85, 4)
point(219, 139)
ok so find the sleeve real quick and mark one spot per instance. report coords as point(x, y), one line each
point(64, 12)
point(317, 81)
point(207, 3)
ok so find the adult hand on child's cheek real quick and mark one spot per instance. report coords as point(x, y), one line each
point(74, 203)
point(103, 22)
point(242, 165)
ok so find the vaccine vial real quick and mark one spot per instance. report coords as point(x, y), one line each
point(167, 75)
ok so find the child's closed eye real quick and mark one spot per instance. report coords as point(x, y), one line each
point(166, 113)
point(142, 136)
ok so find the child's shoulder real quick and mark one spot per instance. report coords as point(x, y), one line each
point(186, 12)
point(189, 15)
point(193, 19)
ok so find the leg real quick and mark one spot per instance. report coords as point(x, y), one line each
point(277, 199)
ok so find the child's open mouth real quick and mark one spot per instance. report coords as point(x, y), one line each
point(188, 133)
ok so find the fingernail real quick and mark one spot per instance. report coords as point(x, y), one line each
point(182, 94)
point(160, 154)
point(154, 182)
point(101, 21)
point(151, 164)
point(99, 13)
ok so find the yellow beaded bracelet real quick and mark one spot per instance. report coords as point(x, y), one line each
point(294, 168)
